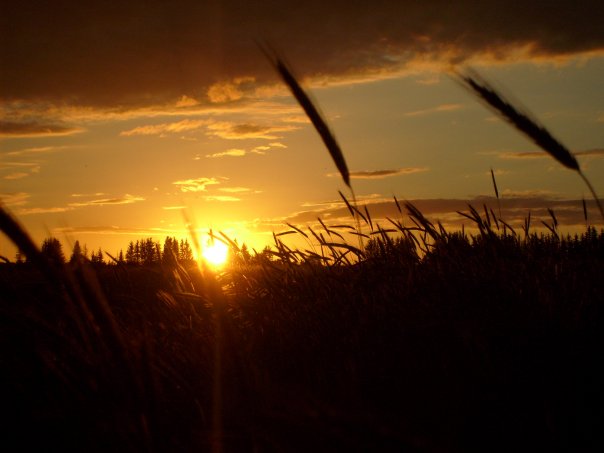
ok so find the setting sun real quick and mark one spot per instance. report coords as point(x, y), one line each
point(215, 253)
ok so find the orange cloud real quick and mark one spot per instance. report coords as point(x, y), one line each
point(195, 185)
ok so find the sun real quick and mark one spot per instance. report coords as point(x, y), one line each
point(215, 253)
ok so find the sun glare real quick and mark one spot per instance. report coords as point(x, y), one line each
point(215, 253)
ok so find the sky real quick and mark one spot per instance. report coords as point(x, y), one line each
point(125, 121)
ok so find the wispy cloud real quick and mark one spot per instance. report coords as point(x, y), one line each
point(87, 195)
point(230, 91)
point(111, 229)
point(51, 210)
point(381, 174)
point(177, 127)
point(234, 152)
point(438, 109)
point(17, 175)
point(221, 198)
point(542, 155)
point(34, 150)
point(125, 199)
point(238, 152)
point(241, 131)
point(14, 199)
point(10, 165)
point(590, 152)
point(234, 189)
point(34, 128)
point(195, 185)
point(173, 208)
point(24, 169)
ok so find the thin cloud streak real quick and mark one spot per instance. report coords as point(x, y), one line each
point(34, 129)
point(126, 199)
point(195, 185)
point(381, 174)
point(186, 125)
point(14, 199)
point(543, 155)
point(438, 109)
point(243, 131)
point(238, 152)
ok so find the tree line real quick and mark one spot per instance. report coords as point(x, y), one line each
point(140, 252)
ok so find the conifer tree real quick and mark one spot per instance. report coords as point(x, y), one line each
point(52, 248)
point(76, 254)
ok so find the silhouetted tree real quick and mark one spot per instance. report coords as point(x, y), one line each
point(97, 258)
point(130, 254)
point(171, 250)
point(52, 248)
point(186, 253)
point(76, 254)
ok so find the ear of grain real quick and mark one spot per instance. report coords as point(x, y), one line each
point(313, 114)
point(525, 124)
point(521, 121)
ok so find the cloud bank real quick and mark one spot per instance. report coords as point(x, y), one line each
point(141, 53)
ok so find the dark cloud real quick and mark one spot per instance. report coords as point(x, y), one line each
point(33, 128)
point(541, 154)
point(513, 210)
point(381, 174)
point(590, 152)
point(141, 52)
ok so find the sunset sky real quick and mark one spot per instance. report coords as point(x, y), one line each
point(120, 121)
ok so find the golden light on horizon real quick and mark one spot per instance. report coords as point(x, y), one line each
point(215, 253)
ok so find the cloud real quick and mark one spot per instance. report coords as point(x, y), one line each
point(235, 152)
point(590, 152)
point(166, 128)
point(195, 185)
point(514, 209)
point(35, 150)
point(438, 109)
point(17, 175)
point(101, 54)
point(14, 199)
point(51, 210)
point(34, 128)
point(234, 189)
point(173, 208)
point(242, 131)
point(229, 91)
point(381, 174)
point(543, 154)
point(221, 198)
point(86, 195)
point(125, 199)
point(238, 152)
point(111, 229)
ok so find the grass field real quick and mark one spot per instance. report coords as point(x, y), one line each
point(484, 343)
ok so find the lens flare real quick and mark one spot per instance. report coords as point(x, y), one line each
point(215, 253)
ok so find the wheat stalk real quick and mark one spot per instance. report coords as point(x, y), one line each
point(524, 122)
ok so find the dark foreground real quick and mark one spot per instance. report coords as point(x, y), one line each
point(496, 346)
